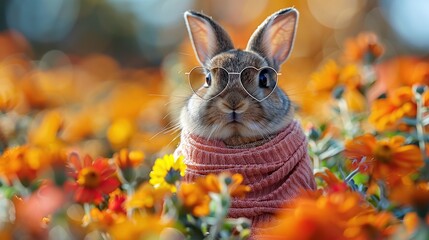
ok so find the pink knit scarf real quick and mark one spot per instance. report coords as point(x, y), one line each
point(276, 171)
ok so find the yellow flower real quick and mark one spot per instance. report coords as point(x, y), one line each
point(120, 132)
point(46, 133)
point(167, 171)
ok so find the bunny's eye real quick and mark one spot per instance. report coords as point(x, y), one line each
point(208, 80)
point(263, 79)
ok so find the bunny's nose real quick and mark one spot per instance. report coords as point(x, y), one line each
point(233, 107)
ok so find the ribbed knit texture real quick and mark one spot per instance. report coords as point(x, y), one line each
point(276, 171)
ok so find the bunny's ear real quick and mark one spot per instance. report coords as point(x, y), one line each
point(274, 38)
point(207, 37)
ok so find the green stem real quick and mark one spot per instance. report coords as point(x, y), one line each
point(221, 212)
point(351, 175)
point(129, 187)
point(316, 159)
point(419, 125)
point(345, 117)
point(87, 208)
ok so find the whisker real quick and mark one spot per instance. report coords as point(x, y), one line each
point(170, 127)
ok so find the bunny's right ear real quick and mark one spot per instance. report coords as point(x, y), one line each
point(207, 37)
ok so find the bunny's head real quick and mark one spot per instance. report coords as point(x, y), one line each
point(235, 91)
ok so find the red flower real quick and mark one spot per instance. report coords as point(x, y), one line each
point(117, 202)
point(93, 178)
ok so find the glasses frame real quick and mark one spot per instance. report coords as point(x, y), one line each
point(229, 79)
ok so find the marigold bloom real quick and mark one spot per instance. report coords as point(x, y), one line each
point(325, 217)
point(194, 199)
point(147, 196)
point(167, 171)
point(387, 159)
point(401, 71)
point(224, 183)
point(23, 162)
point(8, 95)
point(332, 76)
point(410, 193)
point(364, 48)
point(386, 114)
point(93, 179)
point(412, 222)
point(371, 226)
point(102, 219)
point(235, 188)
point(126, 159)
point(139, 227)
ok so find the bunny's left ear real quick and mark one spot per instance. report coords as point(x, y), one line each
point(274, 38)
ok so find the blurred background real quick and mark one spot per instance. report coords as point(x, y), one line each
point(100, 75)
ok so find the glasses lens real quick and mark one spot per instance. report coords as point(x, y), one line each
point(259, 83)
point(207, 84)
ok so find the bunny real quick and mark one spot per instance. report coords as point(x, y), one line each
point(239, 121)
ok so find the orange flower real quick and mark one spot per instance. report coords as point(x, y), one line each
point(194, 198)
point(102, 219)
point(332, 76)
point(325, 217)
point(23, 162)
point(412, 194)
point(387, 113)
point(147, 196)
point(127, 159)
point(224, 183)
point(387, 159)
point(412, 222)
point(364, 48)
point(235, 187)
point(8, 95)
point(92, 178)
point(139, 227)
point(399, 72)
point(371, 226)
point(334, 184)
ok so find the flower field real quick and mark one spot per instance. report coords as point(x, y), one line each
point(87, 148)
